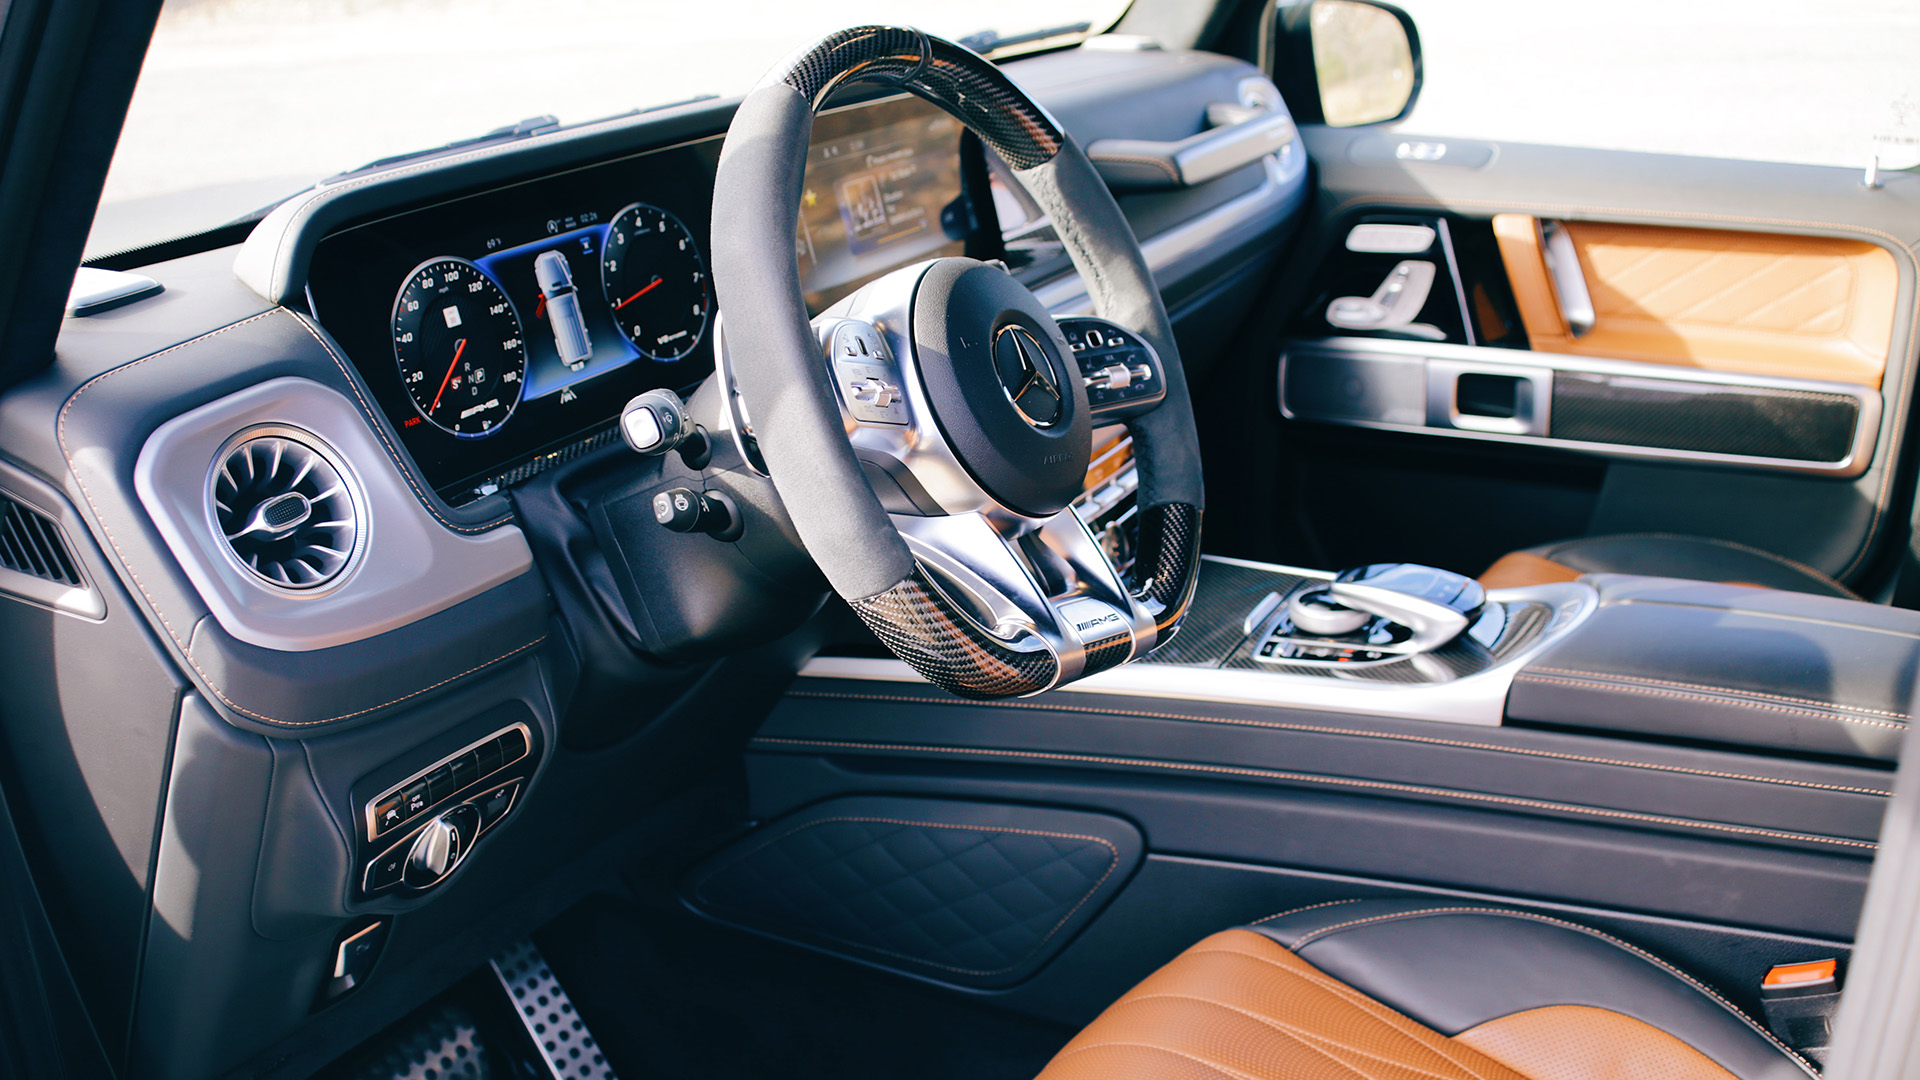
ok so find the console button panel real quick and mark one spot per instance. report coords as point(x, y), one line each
point(417, 831)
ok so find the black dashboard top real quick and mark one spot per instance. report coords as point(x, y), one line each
point(503, 326)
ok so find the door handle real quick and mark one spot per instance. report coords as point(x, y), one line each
point(1569, 283)
point(1250, 134)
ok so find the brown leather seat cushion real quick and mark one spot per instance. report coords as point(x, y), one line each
point(1243, 1006)
point(1659, 555)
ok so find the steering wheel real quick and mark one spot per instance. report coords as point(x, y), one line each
point(928, 433)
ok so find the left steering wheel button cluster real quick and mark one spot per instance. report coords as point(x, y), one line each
point(864, 374)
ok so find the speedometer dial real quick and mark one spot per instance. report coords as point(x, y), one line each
point(462, 356)
point(656, 282)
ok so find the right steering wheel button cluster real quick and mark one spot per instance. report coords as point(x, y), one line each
point(1120, 370)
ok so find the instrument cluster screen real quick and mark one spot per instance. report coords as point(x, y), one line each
point(502, 326)
point(883, 190)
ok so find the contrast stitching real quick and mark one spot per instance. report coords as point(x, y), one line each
point(1309, 907)
point(1724, 690)
point(1314, 1041)
point(373, 423)
point(186, 651)
point(1896, 422)
point(1734, 702)
point(1112, 865)
point(1223, 1070)
point(1378, 1010)
point(1356, 733)
point(1609, 938)
point(1335, 781)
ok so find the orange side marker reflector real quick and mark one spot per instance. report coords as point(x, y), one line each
point(1797, 974)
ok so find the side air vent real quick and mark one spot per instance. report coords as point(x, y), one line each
point(286, 508)
point(30, 544)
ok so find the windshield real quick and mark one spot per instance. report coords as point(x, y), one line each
point(243, 102)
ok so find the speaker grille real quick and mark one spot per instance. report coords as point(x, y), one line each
point(286, 510)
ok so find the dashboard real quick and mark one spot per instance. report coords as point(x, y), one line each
point(504, 329)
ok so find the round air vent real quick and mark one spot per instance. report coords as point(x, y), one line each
point(286, 509)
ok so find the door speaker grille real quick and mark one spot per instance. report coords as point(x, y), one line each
point(286, 510)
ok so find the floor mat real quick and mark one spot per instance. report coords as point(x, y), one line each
point(671, 995)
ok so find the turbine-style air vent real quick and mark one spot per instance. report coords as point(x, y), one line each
point(286, 510)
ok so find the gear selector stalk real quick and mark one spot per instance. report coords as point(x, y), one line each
point(1374, 613)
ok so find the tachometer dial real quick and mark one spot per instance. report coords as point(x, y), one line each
point(463, 358)
point(656, 282)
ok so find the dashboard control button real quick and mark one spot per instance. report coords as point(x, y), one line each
point(513, 746)
point(416, 798)
point(685, 510)
point(489, 757)
point(389, 813)
point(354, 957)
point(493, 805)
point(440, 784)
point(465, 769)
point(386, 870)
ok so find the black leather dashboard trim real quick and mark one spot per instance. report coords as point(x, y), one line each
point(1765, 669)
point(100, 429)
point(1454, 966)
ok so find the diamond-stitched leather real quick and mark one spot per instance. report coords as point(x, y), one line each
point(969, 900)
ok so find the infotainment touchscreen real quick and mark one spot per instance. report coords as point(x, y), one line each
point(882, 190)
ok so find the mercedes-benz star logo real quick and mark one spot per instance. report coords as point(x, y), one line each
point(1028, 376)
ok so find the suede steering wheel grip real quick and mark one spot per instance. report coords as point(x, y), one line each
point(777, 363)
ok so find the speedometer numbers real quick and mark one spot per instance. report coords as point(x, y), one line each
point(462, 355)
point(656, 282)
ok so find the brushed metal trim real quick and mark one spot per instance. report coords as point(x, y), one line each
point(1523, 362)
point(410, 566)
point(373, 830)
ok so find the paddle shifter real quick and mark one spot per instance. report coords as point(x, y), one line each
point(1375, 612)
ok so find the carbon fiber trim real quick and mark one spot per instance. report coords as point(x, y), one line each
point(1111, 651)
point(949, 75)
point(1169, 554)
point(917, 622)
point(1796, 425)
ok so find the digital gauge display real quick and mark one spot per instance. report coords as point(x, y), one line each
point(501, 330)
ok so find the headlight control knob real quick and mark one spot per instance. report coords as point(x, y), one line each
point(441, 845)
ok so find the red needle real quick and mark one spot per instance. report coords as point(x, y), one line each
point(639, 294)
point(457, 350)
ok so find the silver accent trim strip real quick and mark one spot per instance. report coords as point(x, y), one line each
point(1526, 362)
point(1478, 699)
point(1569, 283)
point(373, 830)
point(410, 565)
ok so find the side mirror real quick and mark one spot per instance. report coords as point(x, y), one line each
point(1344, 63)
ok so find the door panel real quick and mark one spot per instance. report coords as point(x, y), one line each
point(1805, 307)
point(1745, 373)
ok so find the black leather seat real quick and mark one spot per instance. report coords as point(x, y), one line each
point(1390, 990)
point(1659, 555)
